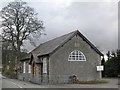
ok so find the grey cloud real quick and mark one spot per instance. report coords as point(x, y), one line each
point(96, 20)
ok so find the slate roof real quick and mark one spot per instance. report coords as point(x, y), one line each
point(52, 45)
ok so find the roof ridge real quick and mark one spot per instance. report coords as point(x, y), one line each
point(54, 39)
point(58, 42)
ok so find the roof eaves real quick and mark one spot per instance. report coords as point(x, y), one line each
point(39, 55)
point(24, 59)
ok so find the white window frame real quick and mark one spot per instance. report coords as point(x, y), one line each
point(29, 68)
point(77, 54)
point(44, 65)
point(24, 67)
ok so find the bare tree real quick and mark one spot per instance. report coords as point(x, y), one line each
point(19, 23)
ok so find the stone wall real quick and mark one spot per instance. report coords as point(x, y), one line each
point(29, 77)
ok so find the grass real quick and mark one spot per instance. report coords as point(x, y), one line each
point(91, 82)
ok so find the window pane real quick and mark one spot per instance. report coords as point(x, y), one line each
point(76, 56)
point(73, 53)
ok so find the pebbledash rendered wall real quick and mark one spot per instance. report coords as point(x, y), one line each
point(60, 68)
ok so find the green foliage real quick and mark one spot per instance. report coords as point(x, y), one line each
point(112, 65)
point(9, 63)
point(103, 63)
point(91, 82)
point(9, 60)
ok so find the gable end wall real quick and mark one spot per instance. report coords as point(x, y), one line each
point(60, 67)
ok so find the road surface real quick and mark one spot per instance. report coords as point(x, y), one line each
point(13, 83)
point(9, 84)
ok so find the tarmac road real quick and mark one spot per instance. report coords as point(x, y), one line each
point(13, 83)
point(6, 83)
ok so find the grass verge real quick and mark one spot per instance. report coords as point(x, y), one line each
point(91, 82)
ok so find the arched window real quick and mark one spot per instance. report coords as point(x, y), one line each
point(76, 56)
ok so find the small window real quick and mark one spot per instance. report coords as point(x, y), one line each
point(29, 68)
point(44, 65)
point(76, 56)
point(24, 67)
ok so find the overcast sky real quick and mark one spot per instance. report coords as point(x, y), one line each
point(98, 21)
